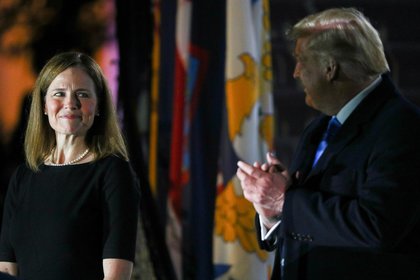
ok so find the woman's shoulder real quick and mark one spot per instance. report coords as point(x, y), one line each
point(20, 178)
point(20, 171)
point(117, 170)
point(112, 160)
point(113, 163)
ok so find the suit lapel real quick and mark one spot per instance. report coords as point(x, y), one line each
point(354, 125)
point(302, 163)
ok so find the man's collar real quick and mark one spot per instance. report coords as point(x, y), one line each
point(345, 112)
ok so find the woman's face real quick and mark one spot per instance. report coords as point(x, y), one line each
point(71, 102)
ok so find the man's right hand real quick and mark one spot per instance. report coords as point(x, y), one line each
point(265, 187)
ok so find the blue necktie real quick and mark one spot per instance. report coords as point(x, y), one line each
point(333, 126)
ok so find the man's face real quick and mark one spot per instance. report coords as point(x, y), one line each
point(311, 75)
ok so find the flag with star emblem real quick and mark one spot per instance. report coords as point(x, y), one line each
point(247, 134)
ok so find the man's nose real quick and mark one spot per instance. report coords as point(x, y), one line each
point(296, 72)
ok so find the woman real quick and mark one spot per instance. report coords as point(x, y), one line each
point(71, 211)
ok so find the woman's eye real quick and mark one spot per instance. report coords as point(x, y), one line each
point(83, 94)
point(58, 94)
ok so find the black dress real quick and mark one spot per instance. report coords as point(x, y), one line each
point(61, 222)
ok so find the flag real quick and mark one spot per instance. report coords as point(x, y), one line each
point(179, 161)
point(134, 26)
point(247, 135)
point(207, 70)
point(154, 98)
point(198, 95)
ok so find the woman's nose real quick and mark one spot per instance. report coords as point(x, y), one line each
point(72, 102)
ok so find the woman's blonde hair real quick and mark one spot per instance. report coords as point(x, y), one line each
point(348, 37)
point(104, 138)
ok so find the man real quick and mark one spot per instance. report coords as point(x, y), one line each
point(349, 205)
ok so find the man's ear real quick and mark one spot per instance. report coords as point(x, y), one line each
point(331, 70)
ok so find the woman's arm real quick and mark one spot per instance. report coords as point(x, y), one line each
point(117, 269)
point(9, 268)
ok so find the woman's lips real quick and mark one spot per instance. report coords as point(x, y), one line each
point(70, 117)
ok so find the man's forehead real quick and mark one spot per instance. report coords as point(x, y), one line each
point(300, 45)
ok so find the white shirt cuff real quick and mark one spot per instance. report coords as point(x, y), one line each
point(264, 234)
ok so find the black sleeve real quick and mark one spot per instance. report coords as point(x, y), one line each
point(7, 252)
point(120, 211)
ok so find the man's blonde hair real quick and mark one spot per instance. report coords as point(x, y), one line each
point(347, 36)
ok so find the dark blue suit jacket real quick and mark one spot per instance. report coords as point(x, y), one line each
point(356, 214)
point(4, 276)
